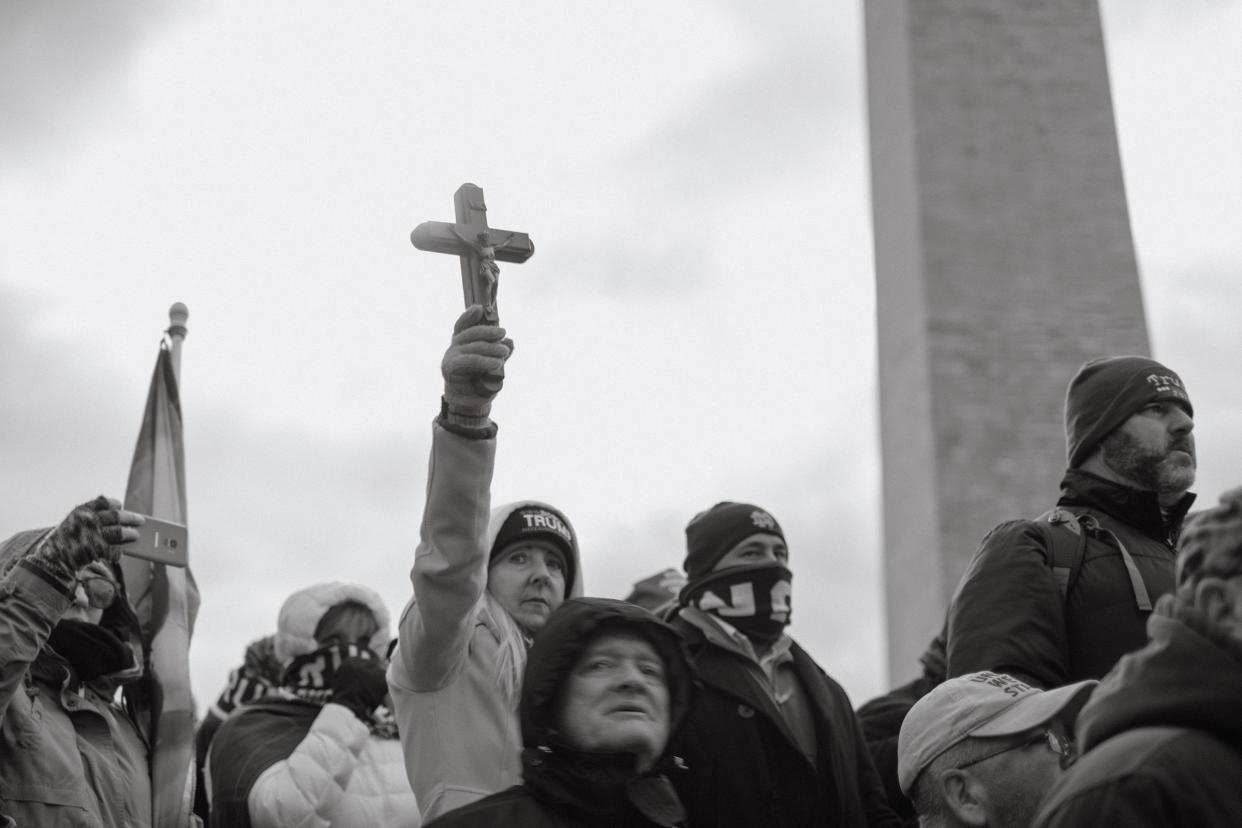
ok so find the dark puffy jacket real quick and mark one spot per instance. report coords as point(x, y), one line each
point(745, 768)
point(567, 788)
point(1008, 614)
point(1161, 736)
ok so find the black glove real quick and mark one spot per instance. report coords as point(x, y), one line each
point(360, 685)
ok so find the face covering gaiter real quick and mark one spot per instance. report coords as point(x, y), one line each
point(753, 598)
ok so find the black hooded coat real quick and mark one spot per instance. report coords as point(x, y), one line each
point(567, 788)
point(1162, 735)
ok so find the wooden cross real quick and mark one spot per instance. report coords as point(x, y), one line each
point(478, 246)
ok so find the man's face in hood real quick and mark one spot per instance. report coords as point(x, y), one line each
point(616, 699)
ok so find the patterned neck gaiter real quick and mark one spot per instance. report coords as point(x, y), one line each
point(309, 677)
point(753, 598)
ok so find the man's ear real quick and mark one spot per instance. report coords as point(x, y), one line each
point(964, 796)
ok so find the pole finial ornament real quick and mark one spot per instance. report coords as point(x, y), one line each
point(178, 313)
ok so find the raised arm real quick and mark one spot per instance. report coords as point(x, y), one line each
point(40, 575)
point(450, 565)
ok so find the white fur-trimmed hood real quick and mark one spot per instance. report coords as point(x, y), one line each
point(300, 614)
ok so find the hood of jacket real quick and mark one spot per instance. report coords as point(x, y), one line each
point(119, 620)
point(1188, 675)
point(301, 612)
point(568, 632)
point(501, 513)
point(597, 785)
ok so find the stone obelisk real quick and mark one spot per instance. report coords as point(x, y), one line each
point(1004, 259)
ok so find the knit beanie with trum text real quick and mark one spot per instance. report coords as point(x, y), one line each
point(531, 522)
point(712, 533)
point(1106, 392)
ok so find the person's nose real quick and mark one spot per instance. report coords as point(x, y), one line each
point(1180, 422)
point(629, 678)
point(540, 572)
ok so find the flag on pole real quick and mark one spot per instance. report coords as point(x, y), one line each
point(165, 599)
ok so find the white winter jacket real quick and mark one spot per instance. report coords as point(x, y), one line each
point(459, 733)
point(340, 776)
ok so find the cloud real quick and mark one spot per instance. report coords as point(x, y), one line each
point(772, 118)
point(1192, 310)
point(626, 266)
point(1132, 17)
point(67, 434)
point(65, 65)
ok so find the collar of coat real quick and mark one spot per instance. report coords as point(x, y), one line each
point(1136, 508)
point(601, 786)
point(727, 671)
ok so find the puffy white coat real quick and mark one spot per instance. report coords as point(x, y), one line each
point(339, 776)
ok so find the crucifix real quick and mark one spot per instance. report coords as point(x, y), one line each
point(478, 246)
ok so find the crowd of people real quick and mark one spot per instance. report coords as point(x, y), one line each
point(1086, 672)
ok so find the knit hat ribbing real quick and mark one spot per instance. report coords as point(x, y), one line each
point(1108, 391)
point(712, 533)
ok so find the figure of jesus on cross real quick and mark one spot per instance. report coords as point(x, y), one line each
point(478, 246)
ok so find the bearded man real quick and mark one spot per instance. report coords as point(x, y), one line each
point(771, 739)
point(1022, 611)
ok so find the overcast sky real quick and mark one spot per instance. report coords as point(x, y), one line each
point(697, 323)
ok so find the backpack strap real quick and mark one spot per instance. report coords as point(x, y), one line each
point(1066, 559)
point(1064, 550)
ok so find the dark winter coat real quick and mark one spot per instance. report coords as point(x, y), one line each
point(69, 755)
point(1161, 736)
point(567, 788)
point(1008, 614)
point(744, 767)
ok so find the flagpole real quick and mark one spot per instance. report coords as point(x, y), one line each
point(177, 315)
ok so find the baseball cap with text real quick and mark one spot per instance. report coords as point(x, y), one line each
point(978, 705)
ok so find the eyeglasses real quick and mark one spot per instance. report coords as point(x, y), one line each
point(1059, 745)
point(100, 591)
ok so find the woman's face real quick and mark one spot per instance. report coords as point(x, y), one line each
point(528, 579)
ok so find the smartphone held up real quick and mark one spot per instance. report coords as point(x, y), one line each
point(161, 541)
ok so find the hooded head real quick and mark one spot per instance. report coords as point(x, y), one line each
point(319, 628)
point(533, 566)
point(110, 648)
point(526, 520)
point(298, 626)
point(569, 633)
